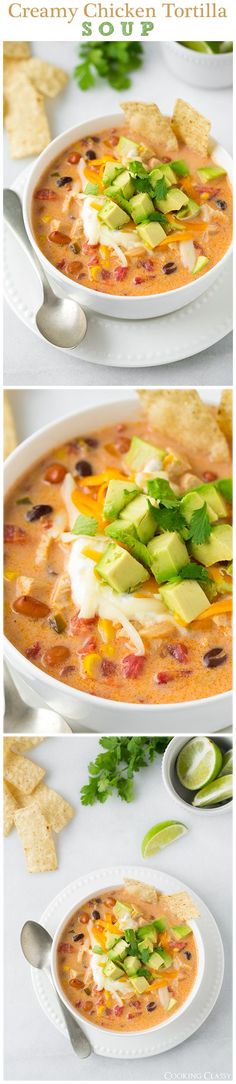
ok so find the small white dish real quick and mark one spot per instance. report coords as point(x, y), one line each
point(127, 308)
point(199, 69)
point(173, 785)
point(182, 1025)
point(124, 343)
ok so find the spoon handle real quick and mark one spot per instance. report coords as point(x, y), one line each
point(12, 210)
point(79, 1040)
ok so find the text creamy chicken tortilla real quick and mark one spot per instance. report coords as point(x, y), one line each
point(118, 557)
point(139, 209)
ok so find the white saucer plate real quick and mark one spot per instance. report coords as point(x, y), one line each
point(131, 1045)
point(125, 343)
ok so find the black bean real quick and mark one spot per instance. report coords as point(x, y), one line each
point(169, 268)
point(96, 914)
point(221, 203)
point(78, 937)
point(215, 657)
point(64, 180)
point(151, 1006)
point(38, 510)
point(83, 467)
point(90, 155)
point(92, 442)
point(188, 955)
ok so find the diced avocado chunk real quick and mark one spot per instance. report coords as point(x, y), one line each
point(139, 517)
point(190, 210)
point(121, 533)
point(214, 499)
point(165, 956)
point(209, 173)
point(147, 931)
point(141, 206)
point(201, 262)
point(142, 453)
point(131, 965)
point(173, 201)
point(160, 924)
point(110, 172)
point(185, 598)
point(146, 943)
point(162, 170)
point(124, 184)
point(120, 910)
point(168, 555)
point(126, 148)
point(118, 495)
point(181, 931)
point(110, 939)
point(120, 570)
point(112, 971)
point(155, 961)
point(219, 546)
point(191, 502)
point(140, 984)
point(151, 233)
point(119, 951)
point(113, 216)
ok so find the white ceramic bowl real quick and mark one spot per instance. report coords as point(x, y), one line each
point(128, 308)
point(77, 706)
point(95, 1027)
point(199, 69)
point(173, 785)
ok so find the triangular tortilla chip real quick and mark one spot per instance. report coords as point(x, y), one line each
point(181, 905)
point(183, 420)
point(191, 127)
point(146, 121)
point(225, 414)
point(141, 891)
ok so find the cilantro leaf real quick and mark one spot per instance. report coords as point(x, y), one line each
point(112, 61)
point(113, 770)
point(193, 571)
point(161, 490)
point(144, 955)
point(169, 519)
point(85, 525)
point(131, 939)
point(143, 971)
point(160, 190)
point(137, 168)
point(200, 527)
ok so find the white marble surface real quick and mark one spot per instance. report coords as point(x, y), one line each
point(27, 360)
point(98, 836)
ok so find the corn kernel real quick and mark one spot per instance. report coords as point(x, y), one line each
point(46, 218)
point(9, 575)
point(91, 664)
point(108, 650)
point(93, 271)
point(106, 629)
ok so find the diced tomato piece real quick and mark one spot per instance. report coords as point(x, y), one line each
point(14, 534)
point(45, 193)
point(118, 1010)
point(107, 667)
point(163, 677)
point(33, 652)
point(120, 273)
point(133, 665)
point(178, 651)
point(65, 946)
point(88, 645)
point(80, 624)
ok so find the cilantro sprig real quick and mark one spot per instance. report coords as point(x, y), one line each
point(200, 527)
point(114, 769)
point(112, 61)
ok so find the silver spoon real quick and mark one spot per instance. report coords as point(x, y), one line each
point(36, 944)
point(29, 720)
point(60, 320)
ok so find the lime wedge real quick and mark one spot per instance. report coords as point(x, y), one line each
point(226, 47)
point(198, 763)
point(215, 793)
point(198, 46)
point(161, 835)
point(227, 763)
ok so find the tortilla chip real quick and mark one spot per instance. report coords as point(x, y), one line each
point(147, 121)
point(48, 79)
point(182, 418)
point(23, 773)
point(10, 437)
point(56, 810)
point(225, 414)
point(19, 745)
point(16, 50)
point(141, 891)
point(25, 118)
point(9, 810)
point(37, 840)
point(191, 127)
point(181, 904)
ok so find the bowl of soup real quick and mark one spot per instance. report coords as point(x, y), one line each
point(92, 627)
point(126, 231)
point(124, 962)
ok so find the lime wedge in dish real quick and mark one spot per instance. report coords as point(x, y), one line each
point(227, 763)
point(160, 836)
point(219, 791)
point(198, 762)
point(198, 46)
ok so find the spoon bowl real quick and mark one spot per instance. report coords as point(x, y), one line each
point(36, 944)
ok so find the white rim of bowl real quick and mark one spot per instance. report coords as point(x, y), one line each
point(55, 273)
point(180, 741)
point(206, 58)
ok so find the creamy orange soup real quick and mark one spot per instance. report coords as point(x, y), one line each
point(117, 258)
point(143, 932)
point(59, 608)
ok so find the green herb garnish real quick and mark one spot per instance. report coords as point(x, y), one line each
point(169, 519)
point(85, 525)
point(23, 500)
point(199, 527)
point(112, 61)
point(194, 571)
point(114, 769)
point(162, 491)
